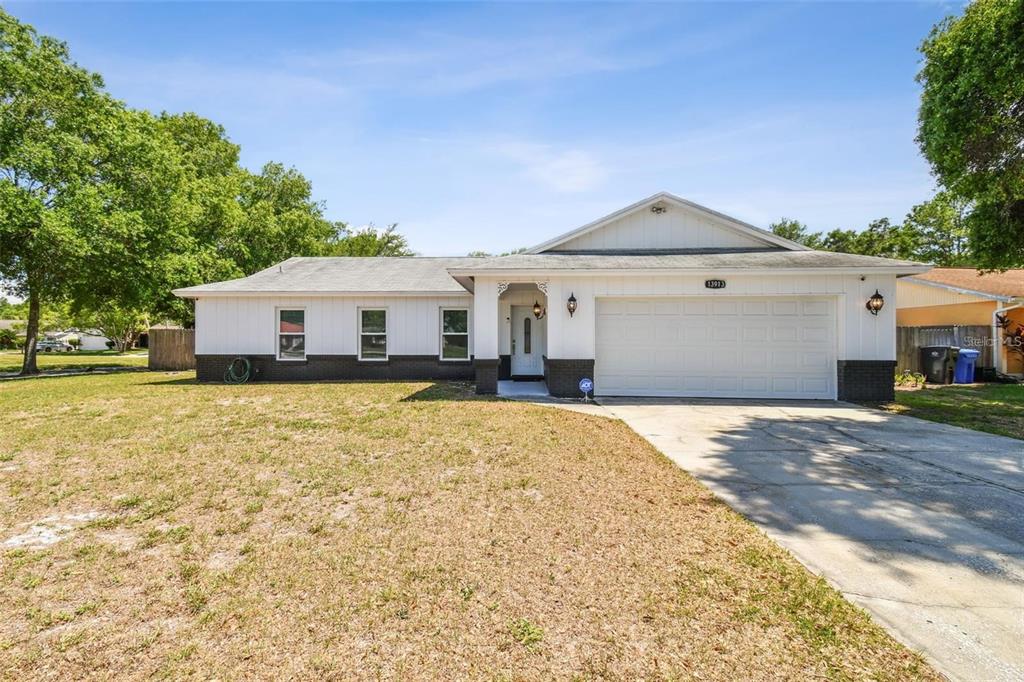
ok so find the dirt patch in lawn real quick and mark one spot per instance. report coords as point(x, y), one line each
point(396, 531)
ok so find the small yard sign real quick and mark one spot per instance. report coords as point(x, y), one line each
point(586, 386)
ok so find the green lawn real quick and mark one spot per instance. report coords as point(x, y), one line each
point(10, 360)
point(153, 527)
point(995, 408)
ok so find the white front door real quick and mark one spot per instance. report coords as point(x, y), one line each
point(528, 345)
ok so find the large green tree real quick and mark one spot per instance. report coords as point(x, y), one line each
point(368, 241)
point(941, 226)
point(281, 219)
point(83, 181)
point(971, 122)
point(795, 231)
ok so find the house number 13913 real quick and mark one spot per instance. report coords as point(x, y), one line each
point(714, 283)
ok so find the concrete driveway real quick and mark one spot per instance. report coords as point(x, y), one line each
point(921, 524)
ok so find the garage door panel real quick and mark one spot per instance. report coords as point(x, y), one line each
point(815, 335)
point(758, 347)
point(725, 307)
point(696, 360)
point(723, 333)
point(667, 308)
point(755, 334)
point(753, 359)
point(818, 308)
point(639, 307)
point(784, 333)
point(695, 307)
point(815, 361)
point(756, 308)
point(694, 335)
point(780, 308)
point(786, 384)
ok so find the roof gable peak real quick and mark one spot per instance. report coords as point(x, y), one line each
point(734, 232)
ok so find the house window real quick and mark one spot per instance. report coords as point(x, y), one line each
point(373, 334)
point(454, 334)
point(526, 336)
point(291, 334)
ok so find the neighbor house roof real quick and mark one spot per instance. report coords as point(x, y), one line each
point(704, 261)
point(769, 238)
point(1001, 286)
point(343, 275)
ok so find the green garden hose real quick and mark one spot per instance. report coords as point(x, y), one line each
point(239, 371)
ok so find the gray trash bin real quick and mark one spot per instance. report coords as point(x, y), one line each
point(937, 363)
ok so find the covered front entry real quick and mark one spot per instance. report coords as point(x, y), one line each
point(722, 347)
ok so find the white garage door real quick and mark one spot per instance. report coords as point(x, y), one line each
point(716, 347)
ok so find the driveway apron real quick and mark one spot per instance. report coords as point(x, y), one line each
point(919, 523)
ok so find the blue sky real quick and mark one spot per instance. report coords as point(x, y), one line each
point(497, 126)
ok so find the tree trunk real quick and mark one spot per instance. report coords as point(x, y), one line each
point(28, 365)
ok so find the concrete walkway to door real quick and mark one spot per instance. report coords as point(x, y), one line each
point(921, 524)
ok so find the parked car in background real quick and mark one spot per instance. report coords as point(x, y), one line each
point(53, 345)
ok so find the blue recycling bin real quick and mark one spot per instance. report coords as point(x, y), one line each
point(965, 361)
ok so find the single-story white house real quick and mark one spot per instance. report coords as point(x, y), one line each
point(88, 339)
point(662, 298)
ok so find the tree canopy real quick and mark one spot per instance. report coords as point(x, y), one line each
point(368, 241)
point(971, 123)
point(932, 232)
point(83, 180)
point(105, 209)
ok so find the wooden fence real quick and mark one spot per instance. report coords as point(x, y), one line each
point(172, 349)
point(910, 340)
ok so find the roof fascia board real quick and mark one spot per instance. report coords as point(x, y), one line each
point(898, 270)
point(185, 293)
point(725, 221)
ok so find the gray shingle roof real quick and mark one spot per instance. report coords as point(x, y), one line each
point(349, 275)
point(782, 259)
point(416, 275)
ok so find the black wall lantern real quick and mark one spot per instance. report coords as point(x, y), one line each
point(570, 305)
point(538, 311)
point(875, 303)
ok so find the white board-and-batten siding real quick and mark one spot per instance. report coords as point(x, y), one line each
point(248, 325)
point(858, 335)
point(674, 229)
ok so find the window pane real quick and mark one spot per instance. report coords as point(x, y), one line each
point(455, 322)
point(373, 346)
point(526, 336)
point(291, 346)
point(374, 321)
point(293, 321)
point(455, 346)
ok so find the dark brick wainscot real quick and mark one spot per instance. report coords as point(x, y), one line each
point(866, 380)
point(563, 376)
point(337, 367)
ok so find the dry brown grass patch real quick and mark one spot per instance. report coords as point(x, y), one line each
point(398, 531)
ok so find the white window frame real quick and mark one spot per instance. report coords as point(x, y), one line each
point(278, 333)
point(359, 333)
point(441, 335)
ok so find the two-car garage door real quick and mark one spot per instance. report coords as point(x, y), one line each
point(716, 347)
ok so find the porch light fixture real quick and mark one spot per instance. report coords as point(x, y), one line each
point(538, 311)
point(570, 305)
point(875, 303)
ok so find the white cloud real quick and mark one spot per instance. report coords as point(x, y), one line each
point(569, 170)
